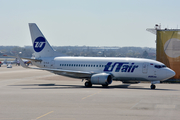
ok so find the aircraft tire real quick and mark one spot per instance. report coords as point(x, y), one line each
point(153, 86)
point(88, 84)
point(105, 86)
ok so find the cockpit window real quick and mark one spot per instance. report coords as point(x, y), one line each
point(159, 66)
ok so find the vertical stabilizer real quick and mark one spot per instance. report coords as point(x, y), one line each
point(5, 61)
point(41, 46)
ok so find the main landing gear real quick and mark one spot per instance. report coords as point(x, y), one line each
point(153, 86)
point(105, 86)
point(88, 84)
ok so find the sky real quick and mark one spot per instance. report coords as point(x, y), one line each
point(121, 23)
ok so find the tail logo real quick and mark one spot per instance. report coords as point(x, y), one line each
point(39, 44)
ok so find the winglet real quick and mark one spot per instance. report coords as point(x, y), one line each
point(21, 62)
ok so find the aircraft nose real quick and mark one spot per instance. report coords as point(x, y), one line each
point(170, 73)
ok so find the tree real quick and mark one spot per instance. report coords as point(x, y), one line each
point(145, 54)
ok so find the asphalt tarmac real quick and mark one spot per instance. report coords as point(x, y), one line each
point(27, 94)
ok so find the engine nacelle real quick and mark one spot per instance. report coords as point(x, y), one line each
point(101, 78)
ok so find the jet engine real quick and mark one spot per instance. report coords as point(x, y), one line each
point(101, 78)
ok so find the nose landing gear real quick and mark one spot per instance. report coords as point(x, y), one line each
point(152, 84)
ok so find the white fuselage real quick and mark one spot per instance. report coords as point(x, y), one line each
point(123, 69)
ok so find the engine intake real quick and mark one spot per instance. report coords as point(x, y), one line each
point(101, 78)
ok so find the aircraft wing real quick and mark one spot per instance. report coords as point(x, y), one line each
point(69, 73)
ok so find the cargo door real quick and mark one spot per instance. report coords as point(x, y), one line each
point(52, 64)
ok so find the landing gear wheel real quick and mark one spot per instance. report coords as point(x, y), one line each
point(88, 84)
point(105, 86)
point(153, 86)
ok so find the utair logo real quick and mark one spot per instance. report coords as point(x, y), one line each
point(120, 66)
point(39, 44)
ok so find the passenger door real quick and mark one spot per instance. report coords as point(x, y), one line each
point(145, 68)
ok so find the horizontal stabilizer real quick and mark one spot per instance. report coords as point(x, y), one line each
point(35, 60)
point(21, 62)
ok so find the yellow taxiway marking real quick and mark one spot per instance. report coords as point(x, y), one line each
point(43, 115)
point(90, 95)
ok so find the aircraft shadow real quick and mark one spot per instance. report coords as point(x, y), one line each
point(54, 86)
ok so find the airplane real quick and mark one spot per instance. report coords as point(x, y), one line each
point(16, 61)
point(27, 62)
point(10, 62)
point(1, 63)
point(95, 70)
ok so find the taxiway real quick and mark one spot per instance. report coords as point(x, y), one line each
point(27, 94)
